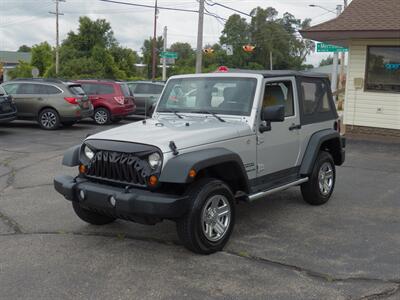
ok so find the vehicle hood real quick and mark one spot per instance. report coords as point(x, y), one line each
point(186, 132)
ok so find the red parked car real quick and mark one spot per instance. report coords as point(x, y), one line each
point(112, 100)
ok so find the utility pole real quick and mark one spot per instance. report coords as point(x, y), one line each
point(57, 13)
point(335, 61)
point(154, 68)
point(342, 59)
point(164, 65)
point(270, 60)
point(199, 50)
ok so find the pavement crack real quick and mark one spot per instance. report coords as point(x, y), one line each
point(120, 236)
point(32, 186)
point(11, 223)
point(383, 294)
point(311, 273)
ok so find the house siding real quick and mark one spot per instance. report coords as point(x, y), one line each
point(364, 108)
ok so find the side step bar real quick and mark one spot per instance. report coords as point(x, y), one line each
point(277, 189)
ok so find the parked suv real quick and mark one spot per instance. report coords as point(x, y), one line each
point(111, 100)
point(146, 94)
point(51, 102)
point(240, 137)
point(8, 110)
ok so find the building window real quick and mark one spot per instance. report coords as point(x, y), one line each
point(383, 69)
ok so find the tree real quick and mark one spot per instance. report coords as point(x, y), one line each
point(22, 70)
point(42, 57)
point(326, 61)
point(93, 52)
point(24, 48)
point(269, 34)
point(147, 52)
point(236, 33)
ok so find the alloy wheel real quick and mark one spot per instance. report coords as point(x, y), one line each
point(48, 119)
point(216, 218)
point(325, 178)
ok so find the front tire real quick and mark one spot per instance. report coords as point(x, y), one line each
point(49, 119)
point(207, 226)
point(90, 216)
point(102, 116)
point(319, 188)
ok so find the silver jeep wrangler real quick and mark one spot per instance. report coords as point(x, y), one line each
point(213, 140)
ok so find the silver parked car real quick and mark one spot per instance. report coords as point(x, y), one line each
point(146, 94)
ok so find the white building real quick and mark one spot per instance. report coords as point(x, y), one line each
point(371, 31)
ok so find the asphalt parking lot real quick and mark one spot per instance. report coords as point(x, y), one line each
point(281, 247)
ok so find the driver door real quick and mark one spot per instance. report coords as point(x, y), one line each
point(278, 149)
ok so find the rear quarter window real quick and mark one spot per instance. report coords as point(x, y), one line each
point(125, 90)
point(76, 90)
point(48, 89)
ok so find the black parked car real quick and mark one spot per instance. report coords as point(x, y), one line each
point(8, 110)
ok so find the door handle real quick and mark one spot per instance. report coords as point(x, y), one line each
point(294, 126)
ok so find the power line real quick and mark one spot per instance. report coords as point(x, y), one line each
point(158, 7)
point(227, 7)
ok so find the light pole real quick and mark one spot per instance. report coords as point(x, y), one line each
point(335, 54)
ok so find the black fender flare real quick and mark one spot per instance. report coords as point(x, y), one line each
point(71, 156)
point(314, 145)
point(177, 169)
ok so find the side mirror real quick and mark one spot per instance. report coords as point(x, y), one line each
point(270, 114)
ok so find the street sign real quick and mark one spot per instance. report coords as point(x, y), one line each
point(323, 47)
point(168, 61)
point(169, 55)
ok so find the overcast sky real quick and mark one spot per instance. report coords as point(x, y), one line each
point(29, 22)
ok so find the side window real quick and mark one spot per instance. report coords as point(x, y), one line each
point(279, 93)
point(157, 89)
point(142, 88)
point(28, 89)
point(49, 90)
point(88, 88)
point(102, 89)
point(315, 97)
point(11, 88)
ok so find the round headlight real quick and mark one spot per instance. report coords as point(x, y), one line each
point(88, 152)
point(154, 160)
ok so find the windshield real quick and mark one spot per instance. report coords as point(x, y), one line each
point(219, 95)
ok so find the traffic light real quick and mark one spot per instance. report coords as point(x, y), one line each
point(248, 48)
point(208, 50)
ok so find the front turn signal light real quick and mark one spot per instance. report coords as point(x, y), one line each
point(153, 180)
point(82, 169)
point(192, 173)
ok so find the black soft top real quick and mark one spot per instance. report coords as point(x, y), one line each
point(279, 73)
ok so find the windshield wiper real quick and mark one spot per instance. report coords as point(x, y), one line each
point(172, 111)
point(210, 113)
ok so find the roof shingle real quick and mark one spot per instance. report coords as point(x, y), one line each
point(365, 15)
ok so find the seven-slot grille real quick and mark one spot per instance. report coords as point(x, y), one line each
point(119, 167)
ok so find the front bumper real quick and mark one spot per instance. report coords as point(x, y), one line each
point(8, 117)
point(129, 203)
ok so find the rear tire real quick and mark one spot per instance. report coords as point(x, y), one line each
point(319, 188)
point(207, 226)
point(102, 116)
point(91, 217)
point(49, 119)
